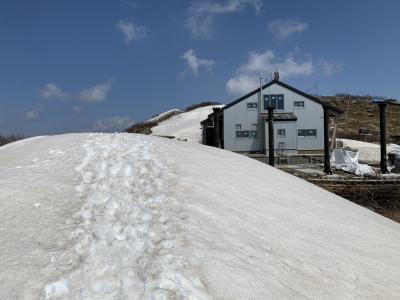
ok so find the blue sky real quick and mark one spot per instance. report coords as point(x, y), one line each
point(71, 66)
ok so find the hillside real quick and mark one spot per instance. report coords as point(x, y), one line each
point(360, 113)
point(184, 126)
point(195, 112)
point(126, 216)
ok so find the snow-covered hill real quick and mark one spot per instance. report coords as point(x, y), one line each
point(125, 216)
point(185, 125)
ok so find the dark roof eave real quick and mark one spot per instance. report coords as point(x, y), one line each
point(334, 109)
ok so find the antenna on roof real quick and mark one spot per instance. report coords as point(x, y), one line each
point(276, 73)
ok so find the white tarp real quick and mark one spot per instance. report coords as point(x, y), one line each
point(347, 160)
point(393, 148)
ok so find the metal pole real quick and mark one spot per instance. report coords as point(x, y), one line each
point(327, 163)
point(271, 150)
point(382, 125)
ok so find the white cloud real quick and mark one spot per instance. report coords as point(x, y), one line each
point(132, 31)
point(97, 93)
point(77, 108)
point(284, 28)
point(328, 68)
point(202, 14)
point(52, 91)
point(113, 124)
point(247, 75)
point(242, 84)
point(194, 63)
point(34, 113)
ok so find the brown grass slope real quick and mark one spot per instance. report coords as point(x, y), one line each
point(360, 113)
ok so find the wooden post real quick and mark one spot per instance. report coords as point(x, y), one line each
point(333, 141)
point(327, 163)
point(271, 146)
point(382, 127)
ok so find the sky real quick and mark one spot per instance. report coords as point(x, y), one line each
point(101, 65)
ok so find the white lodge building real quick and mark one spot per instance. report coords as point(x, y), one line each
point(298, 121)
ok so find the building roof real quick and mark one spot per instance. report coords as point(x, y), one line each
point(282, 116)
point(313, 98)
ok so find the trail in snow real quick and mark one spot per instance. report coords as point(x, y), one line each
point(131, 227)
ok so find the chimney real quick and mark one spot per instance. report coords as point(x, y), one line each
point(276, 74)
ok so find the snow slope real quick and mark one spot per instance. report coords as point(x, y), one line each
point(124, 216)
point(164, 115)
point(368, 152)
point(185, 125)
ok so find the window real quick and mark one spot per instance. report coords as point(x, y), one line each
point(238, 126)
point(311, 132)
point(298, 104)
point(252, 105)
point(247, 134)
point(276, 101)
point(307, 133)
point(242, 134)
point(281, 132)
point(254, 126)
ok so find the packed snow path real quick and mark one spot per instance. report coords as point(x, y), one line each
point(132, 224)
point(124, 216)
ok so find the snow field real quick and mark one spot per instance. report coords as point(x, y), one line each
point(131, 227)
point(164, 114)
point(125, 216)
point(185, 125)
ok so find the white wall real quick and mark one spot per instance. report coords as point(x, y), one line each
point(239, 114)
point(311, 117)
point(290, 138)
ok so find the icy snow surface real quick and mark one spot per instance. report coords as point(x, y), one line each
point(125, 216)
point(185, 125)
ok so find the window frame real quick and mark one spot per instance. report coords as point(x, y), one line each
point(298, 106)
point(301, 135)
point(281, 135)
point(252, 105)
point(306, 133)
point(270, 99)
point(314, 135)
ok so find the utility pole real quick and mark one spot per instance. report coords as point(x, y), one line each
point(327, 162)
point(382, 129)
point(271, 148)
